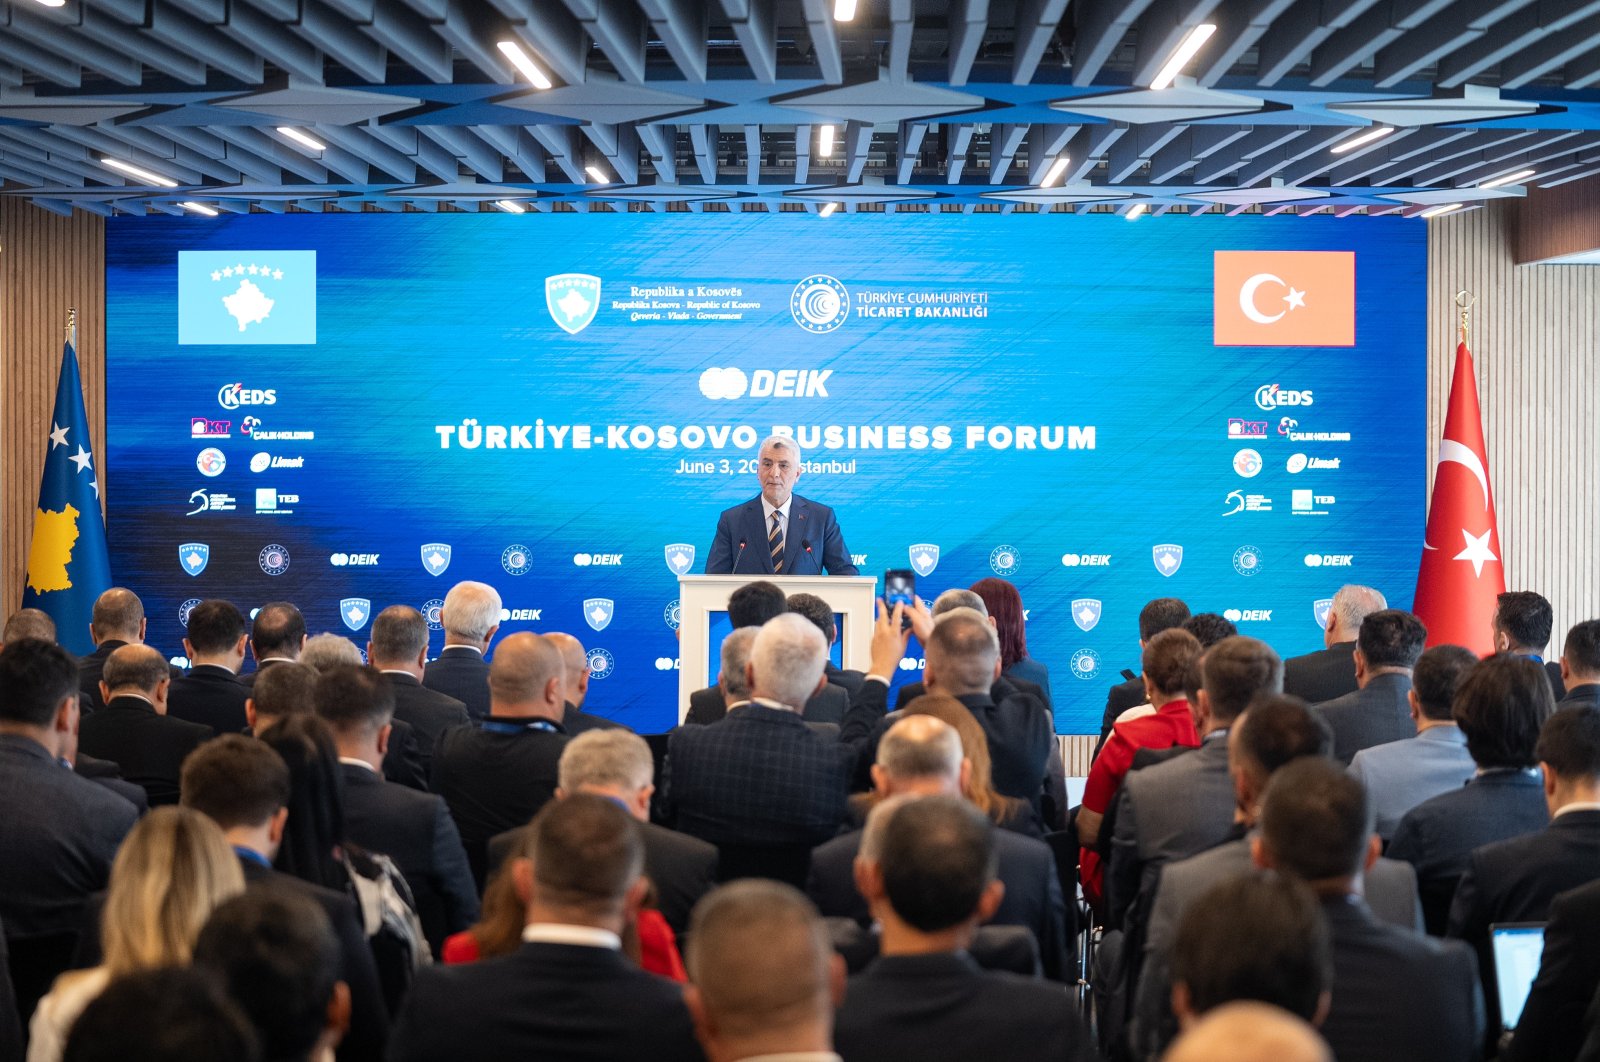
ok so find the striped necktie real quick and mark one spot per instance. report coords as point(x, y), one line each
point(775, 544)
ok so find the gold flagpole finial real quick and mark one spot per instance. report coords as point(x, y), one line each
point(72, 325)
point(1465, 300)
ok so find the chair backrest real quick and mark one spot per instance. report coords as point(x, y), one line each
point(1010, 949)
point(789, 863)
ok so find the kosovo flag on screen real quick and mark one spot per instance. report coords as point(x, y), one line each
point(69, 565)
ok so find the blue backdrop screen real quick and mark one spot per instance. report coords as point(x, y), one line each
point(354, 411)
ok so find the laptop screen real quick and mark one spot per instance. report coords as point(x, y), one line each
point(1518, 948)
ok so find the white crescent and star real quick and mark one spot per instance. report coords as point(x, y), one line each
point(1296, 299)
point(1451, 451)
point(1477, 550)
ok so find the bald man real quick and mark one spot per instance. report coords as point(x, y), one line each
point(117, 620)
point(496, 775)
point(133, 730)
point(575, 664)
point(1249, 1032)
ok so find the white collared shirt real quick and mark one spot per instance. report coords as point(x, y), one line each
point(135, 696)
point(767, 509)
point(474, 648)
point(1577, 805)
point(352, 761)
point(581, 936)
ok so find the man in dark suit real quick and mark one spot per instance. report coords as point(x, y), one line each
point(471, 617)
point(1551, 1028)
point(399, 649)
point(1500, 706)
point(133, 729)
point(927, 868)
point(117, 619)
point(59, 832)
point(616, 763)
point(1003, 687)
point(243, 786)
point(761, 777)
point(778, 532)
point(820, 612)
point(575, 677)
point(1580, 665)
point(765, 979)
point(732, 690)
point(1331, 672)
point(1515, 880)
point(106, 773)
point(1522, 624)
point(278, 633)
point(567, 992)
point(496, 775)
point(210, 693)
point(1378, 712)
point(1163, 613)
point(1396, 995)
point(921, 756)
point(413, 829)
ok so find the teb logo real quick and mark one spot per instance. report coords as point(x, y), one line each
point(819, 304)
point(572, 299)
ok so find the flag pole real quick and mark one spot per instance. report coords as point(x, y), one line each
point(1465, 300)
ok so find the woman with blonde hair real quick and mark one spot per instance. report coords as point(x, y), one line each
point(174, 868)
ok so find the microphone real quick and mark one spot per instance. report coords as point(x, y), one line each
point(735, 569)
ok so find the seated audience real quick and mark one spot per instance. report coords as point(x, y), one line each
point(923, 756)
point(28, 623)
point(169, 1014)
point(399, 648)
point(277, 634)
point(243, 786)
point(1500, 706)
point(287, 688)
point(132, 728)
point(954, 598)
point(413, 829)
point(1516, 879)
point(820, 613)
point(277, 957)
point(1580, 665)
point(1397, 995)
point(1257, 937)
point(1399, 775)
point(1249, 1032)
point(575, 673)
point(567, 992)
point(1161, 614)
point(1003, 605)
point(117, 619)
point(496, 775)
point(1330, 672)
point(927, 867)
point(325, 650)
point(403, 762)
point(1377, 711)
point(751, 606)
point(1007, 812)
point(471, 617)
point(761, 778)
point(210, 694)
point(1209, 628)
point(1167, 658)
point(733, 680)
point(766, 980)
point(59, 832)
point(172, 870)
point(1552, 1025)
point(1522, 624)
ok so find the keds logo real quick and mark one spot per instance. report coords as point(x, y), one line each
point(234, 395)
point(719, 383)
point(1271, 396)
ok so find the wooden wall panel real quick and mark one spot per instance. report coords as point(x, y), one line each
point(1536, 342)
point(47, 264)
point(1555, 222)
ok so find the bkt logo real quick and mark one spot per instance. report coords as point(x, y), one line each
point(201, 428)
point(354, 560)
point(234, 395)
point(1271, 396)
point(1330, 560)
point(719, 383)
point(1239, 428)
point(607, 560)
point(1086, 560)
point(1248, 615)
point(524, 615)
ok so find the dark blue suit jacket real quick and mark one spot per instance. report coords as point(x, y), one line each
point(462, 673)
point(813, 542)
point(1552, 1025)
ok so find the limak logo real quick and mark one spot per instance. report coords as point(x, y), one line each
point(247, 297)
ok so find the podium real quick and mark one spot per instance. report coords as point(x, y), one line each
point(699, 596)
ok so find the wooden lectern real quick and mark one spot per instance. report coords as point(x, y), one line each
point(699, 596)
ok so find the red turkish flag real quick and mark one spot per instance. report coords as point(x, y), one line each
point(1461, 572)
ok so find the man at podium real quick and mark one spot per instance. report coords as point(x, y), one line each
point(778, 532)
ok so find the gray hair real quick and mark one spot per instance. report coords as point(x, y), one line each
point(735, 655)
point(788, 658)
point(610, 758)
point(471, 610)
point(1353, 604)
point(877, 822)
point(29, 623)
point(323, 651)
point(785, 442)
point(959, 597)
point(921, 746)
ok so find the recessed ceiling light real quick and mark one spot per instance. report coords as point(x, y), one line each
point(597, 175)
point(1365, 138)
point(1135, 211)
point(1053, 174)
point(302, 139)
point(1191, 43)
point(844, 10)
point(511, 206)
point(1510, 178)
point(828, 209)
point(142, 174)
point(199, 208)
point(526, 66)
point(825, 141)
point(1436, 211)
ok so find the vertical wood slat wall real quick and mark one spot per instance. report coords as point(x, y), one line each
point(48, 263)
point(1536, 343)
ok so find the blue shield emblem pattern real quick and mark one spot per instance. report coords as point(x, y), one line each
point(194, 556)
point(924, 558)
point(1086, 613)
point(435, 557)
point(1320, 608)
point(1168, 558)
point(680, 558)
point(354, 611)
point(572, 299)
point(597, 612)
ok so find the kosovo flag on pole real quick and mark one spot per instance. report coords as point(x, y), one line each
point(69, 565)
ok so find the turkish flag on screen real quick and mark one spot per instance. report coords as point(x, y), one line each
point(1461, 573)
point(1284, 299)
